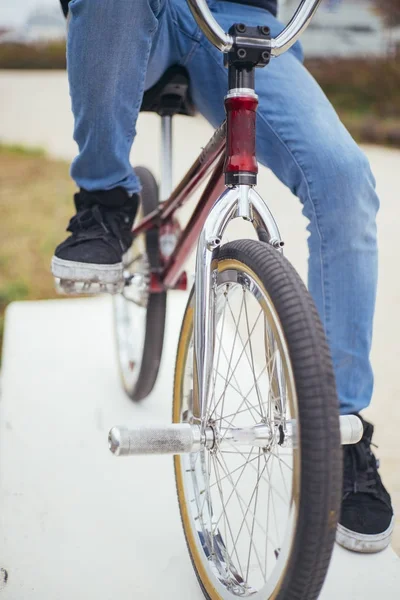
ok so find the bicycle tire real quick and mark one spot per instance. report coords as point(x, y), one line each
point(321, 457)
point(156, 305)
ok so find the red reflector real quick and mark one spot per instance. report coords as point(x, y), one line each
point(241, 135)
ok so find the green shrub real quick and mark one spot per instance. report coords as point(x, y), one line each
point(20, 150)
point(361, 86)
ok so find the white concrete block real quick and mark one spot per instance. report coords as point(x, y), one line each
point(75, 522)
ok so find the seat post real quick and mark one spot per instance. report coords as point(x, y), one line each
point(166, 157)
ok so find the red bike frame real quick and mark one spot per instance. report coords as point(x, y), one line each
point(212, 156)
point(230, 150)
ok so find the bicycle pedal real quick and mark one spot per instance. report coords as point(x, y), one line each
point(76, 288)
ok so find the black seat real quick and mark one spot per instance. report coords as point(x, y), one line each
point(170, 95)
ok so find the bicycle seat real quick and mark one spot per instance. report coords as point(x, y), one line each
point(170, 95)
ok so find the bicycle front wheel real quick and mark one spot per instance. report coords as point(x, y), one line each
point(260, 517)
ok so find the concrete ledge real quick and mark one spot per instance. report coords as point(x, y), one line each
point(74, 521)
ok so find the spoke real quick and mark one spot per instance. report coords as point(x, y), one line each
point(237, 362)
point(250, 407)
point(268, 482)
point(236, 389)
point(229, 527)
point(248, 507)
point(207, 485)
point(239, 412)
point(266, 538)
point(277, 368)
point(240, 337)
point(229, 364)
point(253, 449)
point(230, 361)
point(206, 499)
point(220, 417)
point(281, 460)
point(252, 526)
point(240, 500)
point(219, 352)
point(236, 382)
point(237, 481)
point(282, 475)
point(270, 374)
point(245, 400)
point(268, 357)
point(272, 496)
point(252, 359)
point(236, 469)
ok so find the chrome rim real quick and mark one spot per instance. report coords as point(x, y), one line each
point(130, 311)
point(242, 502)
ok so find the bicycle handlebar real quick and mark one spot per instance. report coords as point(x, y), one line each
point(285, 40)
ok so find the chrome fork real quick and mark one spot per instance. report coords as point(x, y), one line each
point(239, 201)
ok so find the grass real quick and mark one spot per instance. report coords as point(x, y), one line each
point(19, 150)
point(35, 207)
point(33, 56)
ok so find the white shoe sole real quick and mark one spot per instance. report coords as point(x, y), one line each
point(87, 278)
point(366, 544)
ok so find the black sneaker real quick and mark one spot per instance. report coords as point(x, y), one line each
point(366, 523)
point(90, 260)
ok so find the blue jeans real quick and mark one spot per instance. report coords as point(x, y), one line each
point(119, 48)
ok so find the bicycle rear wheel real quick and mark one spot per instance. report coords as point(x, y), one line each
point(139, 316)
point(260, 520)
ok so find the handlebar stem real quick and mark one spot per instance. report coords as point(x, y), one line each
point(283, 42)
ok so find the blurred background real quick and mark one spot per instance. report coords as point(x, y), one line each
point(353, 49)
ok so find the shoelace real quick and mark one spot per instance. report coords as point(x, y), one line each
point(108, 221)
point(361, 469)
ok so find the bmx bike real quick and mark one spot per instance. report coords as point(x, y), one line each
point(256, 434)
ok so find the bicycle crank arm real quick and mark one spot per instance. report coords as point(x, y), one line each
point(184, 438)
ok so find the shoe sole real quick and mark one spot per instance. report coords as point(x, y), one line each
point(360, 542)
point(87, 278)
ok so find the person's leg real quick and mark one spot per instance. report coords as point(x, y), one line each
point(302, 140)
point(115, 49)
point(108, 50)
